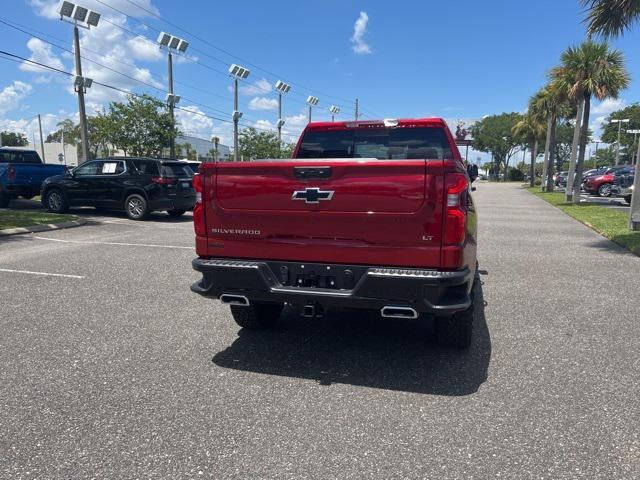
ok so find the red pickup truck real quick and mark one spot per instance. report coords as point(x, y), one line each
point(371, 215)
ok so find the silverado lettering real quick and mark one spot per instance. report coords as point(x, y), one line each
point(395, 196)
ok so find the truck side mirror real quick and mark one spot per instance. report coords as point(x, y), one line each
point(472, 171)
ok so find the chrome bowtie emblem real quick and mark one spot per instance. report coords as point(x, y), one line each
point(312, 195)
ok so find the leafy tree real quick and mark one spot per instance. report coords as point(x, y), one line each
point(549, 104)
point(71, 133)
point(258, 144)
point(13, 139)
point(530, 132)
point(494, 134)
point(611, 17)
point(101, 130)
point(610, 131)
point(590, 69)
point(142, 126)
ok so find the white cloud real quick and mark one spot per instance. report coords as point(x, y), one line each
point(29, 126)
point(144, 49)
point(608, 106)
point(12, 95)
point(357, 39)
point(263, 103)
point(41, 52)
point(193, 123)
point(49, 8)
point(259, 87)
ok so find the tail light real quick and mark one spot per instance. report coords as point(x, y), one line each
point(199, 225)
point(11, 172)
point(456, 187)
point(164, 180)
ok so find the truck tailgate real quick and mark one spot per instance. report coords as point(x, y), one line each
point(357, 211)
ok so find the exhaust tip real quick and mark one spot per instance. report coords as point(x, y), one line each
point(234, 299)
point(398, 312)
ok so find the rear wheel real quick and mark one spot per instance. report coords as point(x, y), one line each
point(55, 201)
point(604, 190)
point(176, 213)
point(136, 207)
point(259, 316)
point(456, 331)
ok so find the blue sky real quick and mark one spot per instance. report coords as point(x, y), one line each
point(458, 60)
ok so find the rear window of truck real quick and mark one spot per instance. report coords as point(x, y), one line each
point(381, 143)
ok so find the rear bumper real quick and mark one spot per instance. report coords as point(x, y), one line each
point(354, 286)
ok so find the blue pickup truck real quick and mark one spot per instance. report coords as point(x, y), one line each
point(22, 172)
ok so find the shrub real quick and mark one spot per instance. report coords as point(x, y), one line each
point(516, 175)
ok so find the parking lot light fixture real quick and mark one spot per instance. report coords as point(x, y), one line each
point(281, 87)
point(334, 111)
point(172, 44)
point(619, 121)
point(80, 16)
point(312, 101)
point(238, 73)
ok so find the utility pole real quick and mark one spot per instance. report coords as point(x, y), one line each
point(619, 122)
point(309, 113)
point(595, 158)
point(41, 139)
point(84, 135)
point(279, 120)
point(64, 154)
point(357, 109)
point(172, 142)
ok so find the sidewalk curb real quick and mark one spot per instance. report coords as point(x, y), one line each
point(43, 228)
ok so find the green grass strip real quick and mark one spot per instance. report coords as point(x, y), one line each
point(27, 218)
point(608, 222)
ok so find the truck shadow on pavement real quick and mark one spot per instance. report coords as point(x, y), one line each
point(364, 350)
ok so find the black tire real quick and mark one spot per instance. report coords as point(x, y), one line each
point(136, 207)
point(259, 316)
point(604, 190)
point(456, 331)
point(56, 202)
point(628, 199)
point(4, 200)
point(176, 213)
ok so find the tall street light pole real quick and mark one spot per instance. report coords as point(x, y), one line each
point(312, 101)
point(178, 45)
point(238, 73)
point(281, 87)
point(41, 139)
point(619, 122)
point(80, 17)
point(357, 109)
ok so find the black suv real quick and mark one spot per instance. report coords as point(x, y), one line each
point(136, 185)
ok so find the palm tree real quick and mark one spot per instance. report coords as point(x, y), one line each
point(590, 69)
point(611, 17)
point(548, 105)
point(529, 130)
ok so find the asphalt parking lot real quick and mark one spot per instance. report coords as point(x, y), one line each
point(112, 368)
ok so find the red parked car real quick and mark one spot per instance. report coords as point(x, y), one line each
point(601, 184)
point(373, 215)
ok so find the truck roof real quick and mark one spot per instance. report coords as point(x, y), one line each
point(426, 122)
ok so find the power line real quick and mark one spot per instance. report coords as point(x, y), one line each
point(20, 59)
point(153, 14)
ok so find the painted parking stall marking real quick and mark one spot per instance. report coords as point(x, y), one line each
point(44, 274)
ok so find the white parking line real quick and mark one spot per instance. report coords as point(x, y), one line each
point(45, 274)
point(120, 244)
